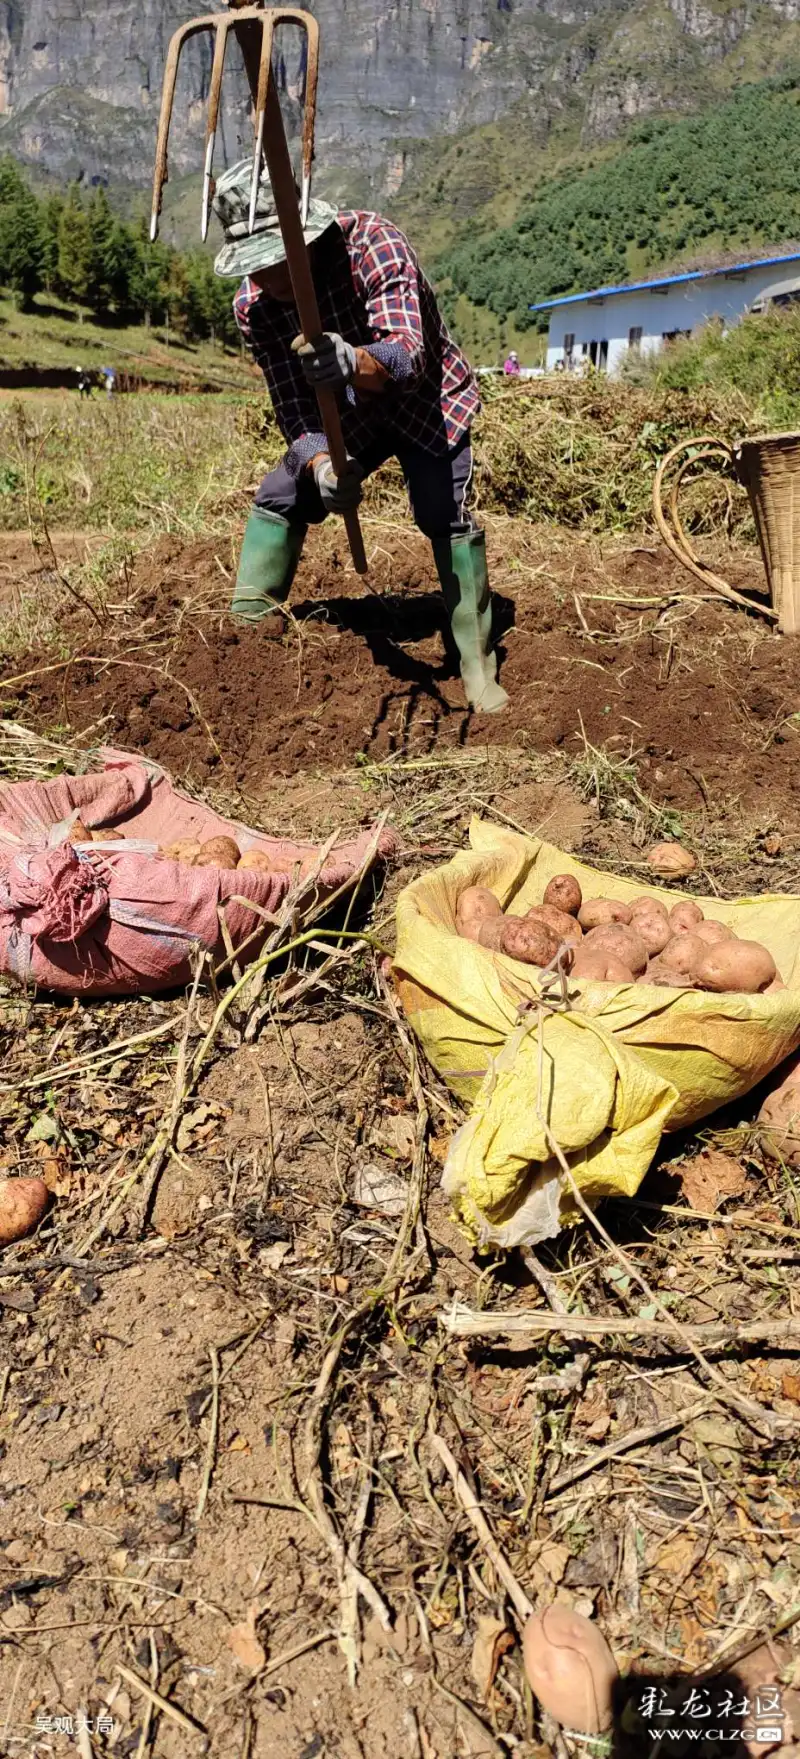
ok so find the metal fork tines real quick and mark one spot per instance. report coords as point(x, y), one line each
point(220, 25)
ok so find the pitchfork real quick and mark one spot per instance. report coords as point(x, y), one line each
point(247, 23)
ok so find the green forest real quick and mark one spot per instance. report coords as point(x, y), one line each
point(728, 179)
point(76, 247)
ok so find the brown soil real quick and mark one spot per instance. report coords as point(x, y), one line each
point(703, 695)
point(257, 1239)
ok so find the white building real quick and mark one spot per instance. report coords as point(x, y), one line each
point(603, 326)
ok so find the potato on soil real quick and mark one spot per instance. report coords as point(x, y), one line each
point(597, 966)
point(185, 850)
point(218, 852)
point(671, 860)
point(733, 965)
point(684, 917)
point(22, 1205)
point(570, 1669)
point(256, 861)
point(79, 832)
point(534, 943)
point(779, 1118)
point(564, 892)
point(625, 943)
point(476, 904)
point(597, 911)
point(564, 925)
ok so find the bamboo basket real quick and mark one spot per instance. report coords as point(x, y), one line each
point(768, 467)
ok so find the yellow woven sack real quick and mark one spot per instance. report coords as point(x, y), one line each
point(622, 1064)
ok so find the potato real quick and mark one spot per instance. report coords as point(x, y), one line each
point(685, 917)
point(711, 932)
point(218, 852)
point(78, 832)
point(670, 859)
point(647, 904)
point(599, 910)
point(534, 943)
point(651, 925)
point(625, 943)
point(682, 954)
point(256, 861)
point(736, 965)
point(476, 904)
point(570, 1669)
point(185, 850)
point(564, 925)
point(490, 933)
point(108, 836)
point(599, 967)
point(22, 1205)
point(779, 1118)
point(565, 893)
point(665, 976)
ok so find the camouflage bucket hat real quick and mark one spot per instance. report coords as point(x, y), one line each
point(244, 252)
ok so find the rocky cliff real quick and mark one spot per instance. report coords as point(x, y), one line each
point(80, 80)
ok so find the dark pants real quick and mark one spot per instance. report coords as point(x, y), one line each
point(437, 487)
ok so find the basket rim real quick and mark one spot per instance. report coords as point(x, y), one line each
point(759, 439)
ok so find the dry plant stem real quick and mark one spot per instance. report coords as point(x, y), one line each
point(213, 1435)
point(471, 1716)
point(746, 1407)
point(171, 1710)
point(276, 1662)
point(399, 1268)
point(634, 1438)
point(144, 1737)
point(91, 1060)
point(472, 1509)
point(82, 1736)
point(348, 1620)
point(463, 1322)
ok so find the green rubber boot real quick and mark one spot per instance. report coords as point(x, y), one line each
point(461, 567)
point(267, 564)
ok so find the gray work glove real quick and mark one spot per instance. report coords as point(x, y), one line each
point(340, 494)
point(328, 361)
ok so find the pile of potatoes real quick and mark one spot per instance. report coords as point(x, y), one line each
point(216, 852)
point(607, 942)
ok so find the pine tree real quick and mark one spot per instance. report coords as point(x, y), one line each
point(74, 249)
point(50, 211)
point(102, 227)
point(20, 235)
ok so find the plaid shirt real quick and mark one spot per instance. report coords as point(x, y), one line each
point(372, 291)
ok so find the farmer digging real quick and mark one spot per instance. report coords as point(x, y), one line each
point(405, 391)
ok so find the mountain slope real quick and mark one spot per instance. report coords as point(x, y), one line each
point(726, 180)
point(79, 85)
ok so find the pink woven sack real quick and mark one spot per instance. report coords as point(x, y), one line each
point(118, 918)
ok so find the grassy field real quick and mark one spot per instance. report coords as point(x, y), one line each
point(54, 334)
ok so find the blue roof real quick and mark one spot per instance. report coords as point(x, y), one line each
point(667, 280)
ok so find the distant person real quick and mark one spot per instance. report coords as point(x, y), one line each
point(511, 366)
point(110, 376)
point(85, 386)
point(404, 388)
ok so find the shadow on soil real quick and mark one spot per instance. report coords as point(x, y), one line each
point(389, 625)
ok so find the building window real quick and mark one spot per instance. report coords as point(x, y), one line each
point(602, 358)
point(635, 338)
point(569, 347)
point(593, 353)
point(669, 336)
